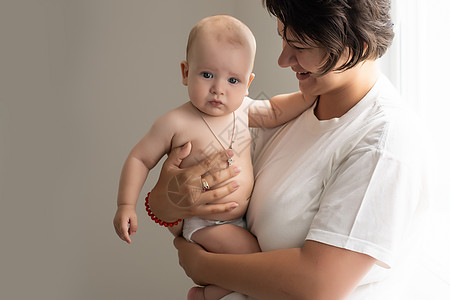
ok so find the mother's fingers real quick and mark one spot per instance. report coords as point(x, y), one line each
point(216, 177)
point(211, 209)
point(177, 155)
point(218, 160)
point(211, 196)
point(193, 196)
point(206, 206)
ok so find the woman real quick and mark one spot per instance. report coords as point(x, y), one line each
point(337, 190)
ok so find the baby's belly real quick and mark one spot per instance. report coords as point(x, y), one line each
point(241, 195)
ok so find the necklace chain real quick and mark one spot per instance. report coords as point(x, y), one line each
point(230, 160)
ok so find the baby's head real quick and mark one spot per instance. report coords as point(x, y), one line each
point(219, 61)
point(223, 28)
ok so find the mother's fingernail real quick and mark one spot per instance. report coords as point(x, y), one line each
point(235, 184)
point(234, 205)
point(230, 153)
point(237, 169)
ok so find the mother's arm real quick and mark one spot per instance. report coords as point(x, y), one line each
point(315, 271)
point(178, 193)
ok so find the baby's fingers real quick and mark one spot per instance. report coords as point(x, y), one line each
point(133, 226)
point(124, 232)
point(121, 228)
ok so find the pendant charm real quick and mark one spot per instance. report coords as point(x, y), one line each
point(230, 160)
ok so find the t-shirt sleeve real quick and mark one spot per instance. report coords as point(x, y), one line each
point(367, 204)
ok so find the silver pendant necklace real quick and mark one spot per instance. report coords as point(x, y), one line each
point(230, 160)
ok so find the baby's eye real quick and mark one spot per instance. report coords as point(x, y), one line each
point(233, 80)
point(207, 75)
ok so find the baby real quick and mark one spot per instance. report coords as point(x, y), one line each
point(217, 72)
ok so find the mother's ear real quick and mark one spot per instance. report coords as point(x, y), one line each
point(184, 72)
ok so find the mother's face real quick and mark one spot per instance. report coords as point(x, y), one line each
point(305, 60)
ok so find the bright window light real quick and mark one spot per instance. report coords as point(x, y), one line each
point(418, 63)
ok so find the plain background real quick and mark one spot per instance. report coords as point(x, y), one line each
point(81, 81)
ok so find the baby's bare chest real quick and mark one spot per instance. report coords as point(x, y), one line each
point(209, 138)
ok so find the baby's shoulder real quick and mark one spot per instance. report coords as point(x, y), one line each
point(179, 116)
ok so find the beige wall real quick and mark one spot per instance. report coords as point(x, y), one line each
point(80, 82)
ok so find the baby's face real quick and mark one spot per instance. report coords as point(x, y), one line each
point(218, 75)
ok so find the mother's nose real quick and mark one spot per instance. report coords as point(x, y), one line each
point(287, 56)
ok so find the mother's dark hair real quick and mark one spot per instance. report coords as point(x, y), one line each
point(362, 26)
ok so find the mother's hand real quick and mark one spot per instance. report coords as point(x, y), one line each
point(191, 256)
point(179, 194)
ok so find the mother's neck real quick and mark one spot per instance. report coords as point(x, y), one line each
point(354, 84)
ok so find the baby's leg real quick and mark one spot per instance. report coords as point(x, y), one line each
point(226, 238)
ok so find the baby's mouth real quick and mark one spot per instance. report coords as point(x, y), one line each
point(215, 102)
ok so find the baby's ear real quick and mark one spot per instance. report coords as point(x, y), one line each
point(250, 79)
point(184, 72)
point(252, 76)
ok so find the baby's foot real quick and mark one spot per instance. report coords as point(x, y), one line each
point(196, 293)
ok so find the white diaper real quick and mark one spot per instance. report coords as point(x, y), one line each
point(191, 225)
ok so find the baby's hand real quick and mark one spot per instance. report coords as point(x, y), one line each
point(125, 215)
point(309, 99)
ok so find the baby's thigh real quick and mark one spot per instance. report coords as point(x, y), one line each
point(226, 238)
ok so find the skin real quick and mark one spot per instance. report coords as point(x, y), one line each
point(316, 270)
point(339, 91)
point(217, 74)
point(193, 204)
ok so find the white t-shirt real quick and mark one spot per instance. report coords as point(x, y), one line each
point(355, 182)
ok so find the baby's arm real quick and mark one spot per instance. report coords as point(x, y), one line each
point(142, 158)
point(278, 110)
